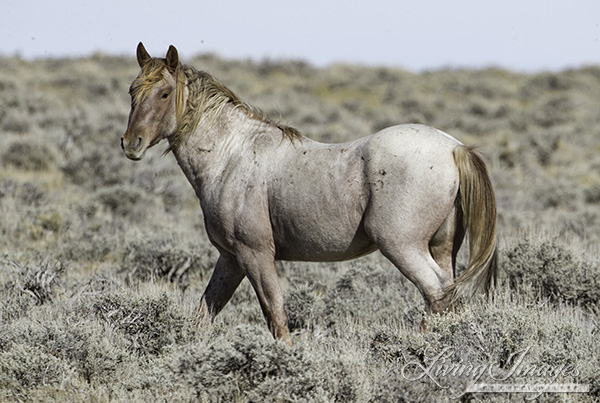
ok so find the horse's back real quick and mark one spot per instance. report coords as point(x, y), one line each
point(409, 139)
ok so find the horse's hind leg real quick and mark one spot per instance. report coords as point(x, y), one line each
point(446, 242)
point(407, 244)
point(417, 264)
point(225, 279)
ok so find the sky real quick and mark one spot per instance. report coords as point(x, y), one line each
point(522, 35)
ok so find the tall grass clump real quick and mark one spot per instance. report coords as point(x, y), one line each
point(27, 285)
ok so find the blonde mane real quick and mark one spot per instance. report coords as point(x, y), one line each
point(207, 96)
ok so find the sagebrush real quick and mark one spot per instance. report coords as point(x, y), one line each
point(103, 261)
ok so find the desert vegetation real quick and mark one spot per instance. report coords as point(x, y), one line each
point(103, 260)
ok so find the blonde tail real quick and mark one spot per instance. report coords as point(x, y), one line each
point(478, 205)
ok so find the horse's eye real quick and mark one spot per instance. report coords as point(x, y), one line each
point(165, 95)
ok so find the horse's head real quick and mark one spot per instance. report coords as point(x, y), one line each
point(153, 114)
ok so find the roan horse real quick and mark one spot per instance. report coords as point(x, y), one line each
point(268, 193)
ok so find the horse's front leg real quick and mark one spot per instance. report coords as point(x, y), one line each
point(225, 279)
point(260, 269)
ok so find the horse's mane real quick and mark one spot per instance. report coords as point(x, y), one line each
point(207, 96)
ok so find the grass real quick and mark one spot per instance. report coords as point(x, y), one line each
point(103, 260)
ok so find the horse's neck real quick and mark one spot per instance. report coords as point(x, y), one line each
point(206, 154)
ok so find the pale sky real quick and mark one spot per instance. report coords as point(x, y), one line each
point(525, 35)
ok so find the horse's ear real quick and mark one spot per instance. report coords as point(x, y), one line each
point(172, 59)
point(142, 55)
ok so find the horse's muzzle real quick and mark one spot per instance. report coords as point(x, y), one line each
point(133, 151)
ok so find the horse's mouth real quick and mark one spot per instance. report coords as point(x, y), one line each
point(135, 155)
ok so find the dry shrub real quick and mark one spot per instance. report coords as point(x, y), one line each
point(28, 193)
point(95, 169)
point(91, 246)
point(368, 293)
point(86, 335)
point(42, 282)
point(25, 367)
point(29, 155)
point(162, 257)
point(562, 192)
point(303, 307)
point(550, 271)
point(544, 83)
point(15, 303)
point(124, 201)
point(150, 324)
point(249, 365)
point(84, 349)
point(516, 342)
point(27, 285)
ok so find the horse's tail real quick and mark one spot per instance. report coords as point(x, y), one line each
point(478, 205)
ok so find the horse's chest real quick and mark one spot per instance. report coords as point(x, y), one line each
point(233, 217)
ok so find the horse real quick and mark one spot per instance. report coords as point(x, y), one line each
point(269, 193)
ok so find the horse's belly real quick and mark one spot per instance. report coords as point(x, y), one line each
point(330, 243)
point(317, 202)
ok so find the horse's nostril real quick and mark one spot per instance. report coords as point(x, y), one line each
point(139, 143)
point(122, 146)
